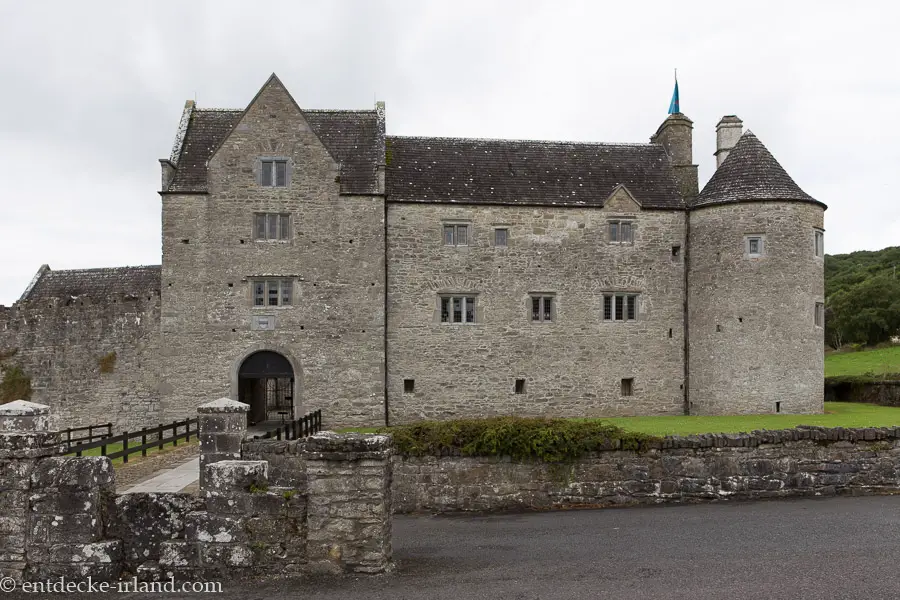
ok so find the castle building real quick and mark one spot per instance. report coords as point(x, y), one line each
point(310, 261)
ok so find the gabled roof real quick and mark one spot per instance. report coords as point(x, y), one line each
point(94, 283)
point(355, 138)
point(464, 171)
point(749, 173)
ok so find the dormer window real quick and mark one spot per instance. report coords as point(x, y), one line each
point(273, 173)
point(621, 232)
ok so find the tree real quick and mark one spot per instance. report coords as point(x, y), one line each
point(867, 312)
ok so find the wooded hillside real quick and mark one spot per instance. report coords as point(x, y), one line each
point(862, 297)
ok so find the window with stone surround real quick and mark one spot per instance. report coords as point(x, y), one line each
point(273, 172)
point(628, 386)
point(620, 307)
point(457, 309)
point(272, 292)
point(819, 242)
point(501, 235)
point(543, 308)
point(271, 226)
point(820, 314)
point(456, 234)
point(621, 232)
point(754, 245)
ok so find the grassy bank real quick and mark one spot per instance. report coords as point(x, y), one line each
point(877, 362)
point(837, 414)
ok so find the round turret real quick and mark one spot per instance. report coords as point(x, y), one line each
point(755, 288)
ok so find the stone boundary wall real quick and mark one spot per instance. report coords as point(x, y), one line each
point(62, 516)
point(806, 461)
point(883, 393)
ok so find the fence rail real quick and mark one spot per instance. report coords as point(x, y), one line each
point(155, 435)
point(94, 432)
point(308, 424)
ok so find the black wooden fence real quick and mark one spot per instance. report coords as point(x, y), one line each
point(75, 435)
point(140, 441)
point(308, 424)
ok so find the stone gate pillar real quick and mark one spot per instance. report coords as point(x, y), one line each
point(222, 425)
point(25, 437)
point(348, 506)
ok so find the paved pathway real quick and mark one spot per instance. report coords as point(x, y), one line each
point(170, 480)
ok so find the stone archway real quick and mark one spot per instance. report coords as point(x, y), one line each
point(266, 381)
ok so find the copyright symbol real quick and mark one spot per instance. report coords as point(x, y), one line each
point(7, 584)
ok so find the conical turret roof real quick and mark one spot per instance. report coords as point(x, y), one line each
point(750, 173)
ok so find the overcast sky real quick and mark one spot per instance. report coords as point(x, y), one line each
point(92, 93)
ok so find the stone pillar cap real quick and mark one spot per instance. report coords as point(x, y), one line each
point(223, 405)
point(23, 408)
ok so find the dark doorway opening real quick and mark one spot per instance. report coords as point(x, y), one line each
point(266, 383)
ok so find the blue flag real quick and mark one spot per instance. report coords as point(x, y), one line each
point(673, 106)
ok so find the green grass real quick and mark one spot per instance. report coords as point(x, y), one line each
point(117, 447)
point(837, 414)
point(880, 361)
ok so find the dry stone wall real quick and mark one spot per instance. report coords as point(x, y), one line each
point(63, 518)
point(809, 461)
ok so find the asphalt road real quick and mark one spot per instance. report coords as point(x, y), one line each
point(830, 548)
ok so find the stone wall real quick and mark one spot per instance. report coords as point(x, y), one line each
point(572, 366)
point(809, 461)
point(883, 393)
point(59, 344)
point(333, 333)
point(753, 338)
point(63, 518)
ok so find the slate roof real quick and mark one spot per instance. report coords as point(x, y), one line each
point(750, 172)
point(95, 283)
point(483, 171)
point(355, 138)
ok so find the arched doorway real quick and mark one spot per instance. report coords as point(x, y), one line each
point(266, 383)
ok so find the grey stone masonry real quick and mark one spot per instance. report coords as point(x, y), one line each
point(805, 461)
point(222, 425)
point(54, 516)
point(349, 502)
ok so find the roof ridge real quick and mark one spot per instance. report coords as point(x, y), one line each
point(211, 109)
point(337, 110)
point(105, 268)
point(523, 140)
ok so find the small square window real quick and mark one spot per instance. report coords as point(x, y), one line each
point(409, 386)
point(520, 386)
point(620, 307)
point(628, 386)
point(456, 235)
point(272, 292)
point(754, 245)
point(457, 309)
point(500, 236)
point(621, 232)
point(542, 308)
point(271, 226)
point(273, 173)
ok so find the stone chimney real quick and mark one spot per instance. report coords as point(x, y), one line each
point(728, 132)
point(676, 136)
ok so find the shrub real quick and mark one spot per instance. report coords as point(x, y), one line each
point(548, 440)
point(107, 362)
point(15, 385)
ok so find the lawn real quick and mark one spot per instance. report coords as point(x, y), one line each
point(837, 414)
point(875, 362)
point(117, 447)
